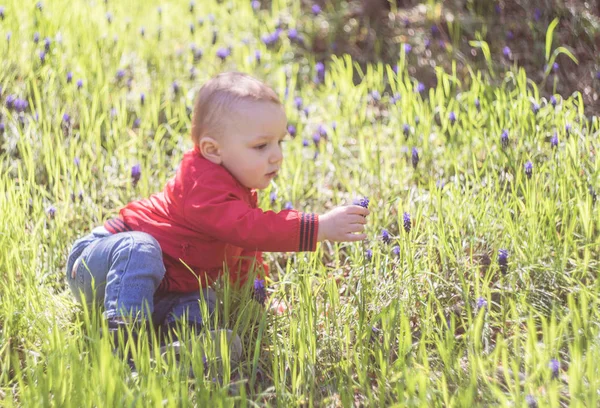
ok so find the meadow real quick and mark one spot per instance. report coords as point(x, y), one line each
point(478, 284)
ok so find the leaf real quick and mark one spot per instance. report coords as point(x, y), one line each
point(549, 35)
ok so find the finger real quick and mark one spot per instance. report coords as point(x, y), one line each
point(357, 219)
point(355, 237)
point(355, 228)
point(357, 209)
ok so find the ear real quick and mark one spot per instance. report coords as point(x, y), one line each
point(210, 149)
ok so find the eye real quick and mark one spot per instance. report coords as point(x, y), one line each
point(260, 146)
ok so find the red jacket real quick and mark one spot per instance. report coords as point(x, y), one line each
point(204, 218)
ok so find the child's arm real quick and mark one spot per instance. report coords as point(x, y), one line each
point(221, 212)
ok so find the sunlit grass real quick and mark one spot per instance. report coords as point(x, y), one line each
point(434, 322)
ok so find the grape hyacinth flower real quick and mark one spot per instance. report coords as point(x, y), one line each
point(535, 107)
point(316, 138)
point(553, 100)
point(504, 138)
point(316, 9)
point(369, 254)
point(47, 44)
point(322, 131)
point(406, 129)
point(257, 56)
point(259, 292)
point(531, 402)
point(554, 367)
point(420, 87)
point(477, 104)
point(292, 34)
point(554, 140)
point(452, 117)
point(503, 260)
point(395, 98)
point(2, 127)
point(396, 250)
point(20, 105)
point(598, 75)
point(255, 4)
point(528, 169)
point(415, 157)
point(376, 95)
point(537, 14)
point(510, 35)
point(363, 202)
point(136, 173)
point(568, 128)
point(298, 102)
point(406, 221)
point(555, 67)
point(51, 211)
point(506, 51)
point(136, 123)
point(69, 77)
point(407, 48)
point(2, 12)
point(36, 37)
point(288, 205)
point(273, 197)
point(291, 130)
point(66, 118)
point(320, 70)
point(481, 303)
point(120, 73)
point(79, 84)
point(223, 53)
point(76, 161)
point(385, 236)
point(305, 143)
point(42, 56)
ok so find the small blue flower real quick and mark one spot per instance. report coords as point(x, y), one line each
point(273, 197)
point(51, 211)
point(291, 130)
point(322, 131)
point(257, 56)
point(598, 75)
point(47, 44)
point(192, 5)
point(66, 118)
point(385, 236)
point(555, 67)
point(316, 138)
point(120, 73)
point(420, 87)
point(506, 51)
point(259, 292)
point(320, 72)
point(553, 100)
point(69, 77)
point(136, 173)
point(363, 202)
point(395, 98)
point(554, 367)
point(109, 17)
point(369, 254)
point(136, 123)
point(504, 138)
point(407, 48)
point(292, 34)
point(435, 31)
point(415, 157)
point(175, 86)
point(510, 35)
point(528, 169)
point(42, 56)
point(2, 127)
point(568, 128)
point(396, 250)
point(531, 402)
point(375, 95)
point(535, 107)
point(223, 53)
point(36, 37)
point(298, 102)
point(406, 129)
point(537, 14)
point(288, 205)
point(503, 260)
point(481, 303)
point(554, 140)
point(406, 221)
point(305, 143)
point(2, 12)
point(452, 117)
point(255, 4)
point(79, 84)
point(76, 161)
point(142, 99)
point(477, 104)
point(316, 9)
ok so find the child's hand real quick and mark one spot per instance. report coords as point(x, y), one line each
point(343, 224)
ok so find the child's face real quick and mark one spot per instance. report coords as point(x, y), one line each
point(250, 146)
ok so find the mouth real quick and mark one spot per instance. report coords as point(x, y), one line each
point(272, 174)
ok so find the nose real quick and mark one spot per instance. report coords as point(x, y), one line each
point(277, 155)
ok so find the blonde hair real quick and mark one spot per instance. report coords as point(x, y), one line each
point(219, 94)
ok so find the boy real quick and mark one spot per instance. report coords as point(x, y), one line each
point(160, 252)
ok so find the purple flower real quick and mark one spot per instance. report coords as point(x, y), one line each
point(305, 143)
point(509, 35)
point(568, 128)
point(42, 56)
point(47, 44)
point(555, 67)
point(109, 17)
point(298, 102)
point(316, 9)
point(2, 12)
point(363, 202)
point(175, 86)
point(136, 123)
point(553, 100)
point(259, 292)
point(407, 48)
point(257, 56)
point(481, 303)
point(142, 99)
point(120, 73)
point(69, 77)
point(503, 260)
point(291, 130)
point(292, 34)
point(2, 127)
point(554, 140)
point(273, 197)
point(322, 131)
point(504, 138)
point(396, 250)
point(76, 161)
point(20, 105)
point(506, 51)
point(452, 117)
point(79, 84)
point(427, 43)
point(320, 70)
point(39, 5)
point(316, 138)
point(531, 402)
point(528, 169)
point(598, 75)
point(395, 98)
point(420, 87)
point(10, 100)
point(192, 27)
point(66, 118)
point(334, 125)
point(136, 173)
point(288, 205)
point(406, 221)
point(554, 366)
point(51, 211)
point(535, 107)
point(415, 157)
point(255, 4)
point(8, 35)
point(477, 104)
point(435, 31)
point(406, 129)
point(375, 95)
point(385, 236)
point(192, 5)
point(369, 254)
point(198, 53)
point(270, 39)
point(36, 37)
point(223, 53)
point(537, 14)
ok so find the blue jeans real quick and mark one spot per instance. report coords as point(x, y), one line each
point(122, 272)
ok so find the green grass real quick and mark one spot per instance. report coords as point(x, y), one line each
point(468, 197)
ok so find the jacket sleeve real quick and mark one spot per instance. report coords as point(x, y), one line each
point(219, 210)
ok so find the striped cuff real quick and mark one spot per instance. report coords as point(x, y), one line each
point(116, 225)
point(309, 227)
